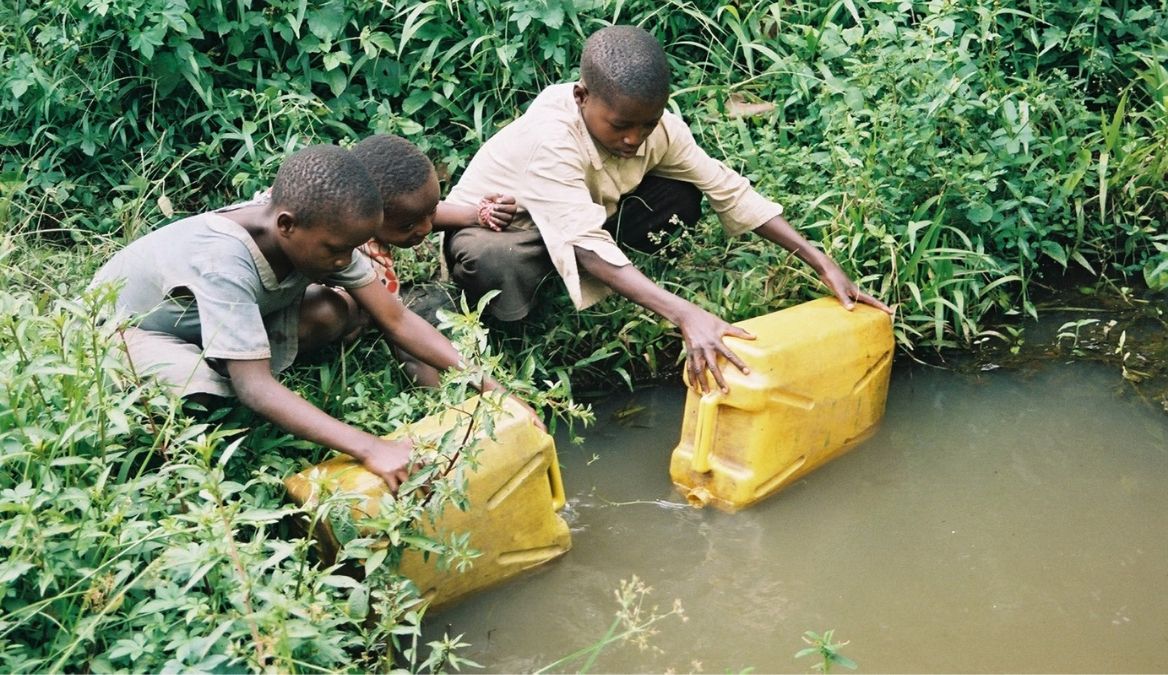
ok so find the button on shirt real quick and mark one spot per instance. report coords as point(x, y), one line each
point(567, 185)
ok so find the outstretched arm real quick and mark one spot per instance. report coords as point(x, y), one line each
point(416, 336)
point(779, 231)
point(701, 330)
point(406, 329)
point(258, 390)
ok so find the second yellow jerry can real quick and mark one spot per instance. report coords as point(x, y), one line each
point(817, 386)
point(514, 498)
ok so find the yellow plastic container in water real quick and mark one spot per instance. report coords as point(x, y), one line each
point(514, 498)
point(817, 387)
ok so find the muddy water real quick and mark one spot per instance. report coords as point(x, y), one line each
point(1001, 522)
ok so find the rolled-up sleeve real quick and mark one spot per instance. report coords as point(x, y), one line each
point(556, 196)
point(739, 206)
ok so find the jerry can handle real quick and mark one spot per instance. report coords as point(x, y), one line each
point(556, 483)
point(704, 434)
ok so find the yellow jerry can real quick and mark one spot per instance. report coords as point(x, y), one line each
point(514, 498)
point(817, 386)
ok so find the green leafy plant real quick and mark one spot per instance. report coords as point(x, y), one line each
point(954, 157)
point(141, 535)
point(950, 155)
point(826, 649)
point(634, 622)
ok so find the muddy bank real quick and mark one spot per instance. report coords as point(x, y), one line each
point(1124, 329)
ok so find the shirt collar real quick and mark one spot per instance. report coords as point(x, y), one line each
point(589, 143)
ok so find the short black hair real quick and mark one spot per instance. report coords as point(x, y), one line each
point(625, 61)
point(325, 184)
point(396, 165)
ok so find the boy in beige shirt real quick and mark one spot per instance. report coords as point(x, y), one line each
point(598, 163)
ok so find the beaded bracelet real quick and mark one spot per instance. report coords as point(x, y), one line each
point(486, 209)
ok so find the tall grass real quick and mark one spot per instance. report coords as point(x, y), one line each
point(950, 153)
point(953, 155)
point(139, 535)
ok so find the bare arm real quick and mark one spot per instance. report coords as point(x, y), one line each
point(494, 212)
point(454, 217)
point(406, 329)
point(701, 330)
point(779, 231)
point(258, 390)
point(416, 336)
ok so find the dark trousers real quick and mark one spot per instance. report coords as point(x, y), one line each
point(515, 262)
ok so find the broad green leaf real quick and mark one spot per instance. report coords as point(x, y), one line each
point(1054, 250)
point(334, 59)
point(374, 561)
point(340, 581)
point(979, 212)
point(382, 41)
point(415, 101)
point(18, 87)
point(11, 570)
point(328, 22)
point(337, 81)
point(358, 605)
point(1156, 273)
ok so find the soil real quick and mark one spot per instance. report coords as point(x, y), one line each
point(1122, 327)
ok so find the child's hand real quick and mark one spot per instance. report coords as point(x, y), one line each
point(531, 411)
point(703, 333)
point(846, 290)
point(390, 460)
point(496, 212)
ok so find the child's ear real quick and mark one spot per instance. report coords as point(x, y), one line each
point(580, 93)
point(285, 222)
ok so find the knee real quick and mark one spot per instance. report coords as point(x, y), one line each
point(513, 262)
point(467, 250)
point(325, 315)
point(478, 261)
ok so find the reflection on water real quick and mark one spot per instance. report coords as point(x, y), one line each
point(1005, 522)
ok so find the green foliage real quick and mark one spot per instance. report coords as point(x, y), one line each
point(827, 650)
point(950, 172)
point(951, 154)
point(633, 622)
point(141, 536)
point(191, 100)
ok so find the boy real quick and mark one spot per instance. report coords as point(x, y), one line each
point(408, 185)
point(222, 300)
point(600, 162)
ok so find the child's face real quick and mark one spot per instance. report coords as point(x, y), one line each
point(325, 248)
point(410, 216)
point(620, 126)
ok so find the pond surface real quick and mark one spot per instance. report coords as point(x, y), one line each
point(999, 522)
